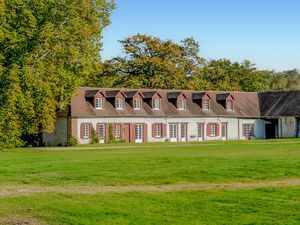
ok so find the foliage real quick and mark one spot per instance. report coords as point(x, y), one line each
point(149, 62)
point(72, 141)
point(47, 49)
point(110, 132)
point(94, 137)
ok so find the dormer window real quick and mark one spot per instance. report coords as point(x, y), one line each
point(136, 104)
point(205, 104)
point(181, 104)
point(119, 103)
point(156, 104)
point(229, 105)
point(226, 100)
point(99, 103)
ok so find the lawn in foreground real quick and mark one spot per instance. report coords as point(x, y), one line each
point(256, 206)
point(208, 162)
point(214, 162)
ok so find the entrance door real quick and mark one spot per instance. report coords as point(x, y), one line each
point(183, 131)
point(224, 131)
point(173, 132)
point(101, 133)
point(200, 132)
point(126, 132)
point(138, 131)
point(270, 131)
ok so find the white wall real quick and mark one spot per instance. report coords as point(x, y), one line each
point(232, 123)
point(260, 128)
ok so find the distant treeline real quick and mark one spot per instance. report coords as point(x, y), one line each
point(149, 62)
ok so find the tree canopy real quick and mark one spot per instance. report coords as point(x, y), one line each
point(47, 49)
point(149, 62)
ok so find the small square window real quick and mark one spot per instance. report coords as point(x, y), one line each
point(156, 104)
point(205, 104)
point(99, 103)
point(229, 105)
point(119, 103)
point(137, 104)
point(181, 104)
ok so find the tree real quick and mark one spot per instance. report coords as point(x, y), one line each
point(150, 62)
point(47, 49)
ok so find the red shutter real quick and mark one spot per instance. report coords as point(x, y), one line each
point(153, 129)
point(164, 130)
point(208, 130)
point(132, 133)
point(81, 130)
point(90, 130)
point(217, 129)
point(106, 132)
point(122, 131)
point(145, 133)
point(97, 131)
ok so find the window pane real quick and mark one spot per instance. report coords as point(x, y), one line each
point(98, 103)
point(101, 131)
point(200, 129)
point(212, 131)
point(117, 130)
point(205, 104)
point(158, 130)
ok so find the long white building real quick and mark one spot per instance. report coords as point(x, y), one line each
point(176, 116)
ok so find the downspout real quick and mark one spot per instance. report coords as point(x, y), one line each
point(238, 128)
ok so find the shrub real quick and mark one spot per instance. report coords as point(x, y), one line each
point(94, 138)
point(72, 141)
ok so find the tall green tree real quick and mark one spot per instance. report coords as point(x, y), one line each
point(47, 49)
point(150, 62)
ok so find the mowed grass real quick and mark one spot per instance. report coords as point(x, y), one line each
point(260, 206)
point(155, 164)
point(165, 164)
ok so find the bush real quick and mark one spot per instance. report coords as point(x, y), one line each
point(94, 138)
point(72, 141)
point(116, 140)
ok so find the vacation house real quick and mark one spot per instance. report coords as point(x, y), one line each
point(141, 115)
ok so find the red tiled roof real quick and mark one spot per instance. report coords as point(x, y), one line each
point(246, 104)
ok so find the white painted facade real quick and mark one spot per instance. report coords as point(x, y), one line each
point(234, 126)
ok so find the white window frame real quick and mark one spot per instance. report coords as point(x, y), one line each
point(181, 104)
point(137, 104)
point(158, 130)
point(183, 132)
point(229, 105)
point(117, 133)
point(138, 132)
point(173, 132)
point(99, 103)
point(119, 103)
point(101, 134)
point(247, 129)
point(205, 106)
point(213, 130)
point(156, 104)
point(200, 131)
point(86, 130)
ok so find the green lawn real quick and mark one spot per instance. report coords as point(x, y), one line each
point(155, 164)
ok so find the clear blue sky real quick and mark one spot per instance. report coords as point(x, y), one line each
point(267, 32)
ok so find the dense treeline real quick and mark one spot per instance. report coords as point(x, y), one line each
point(149, 62)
